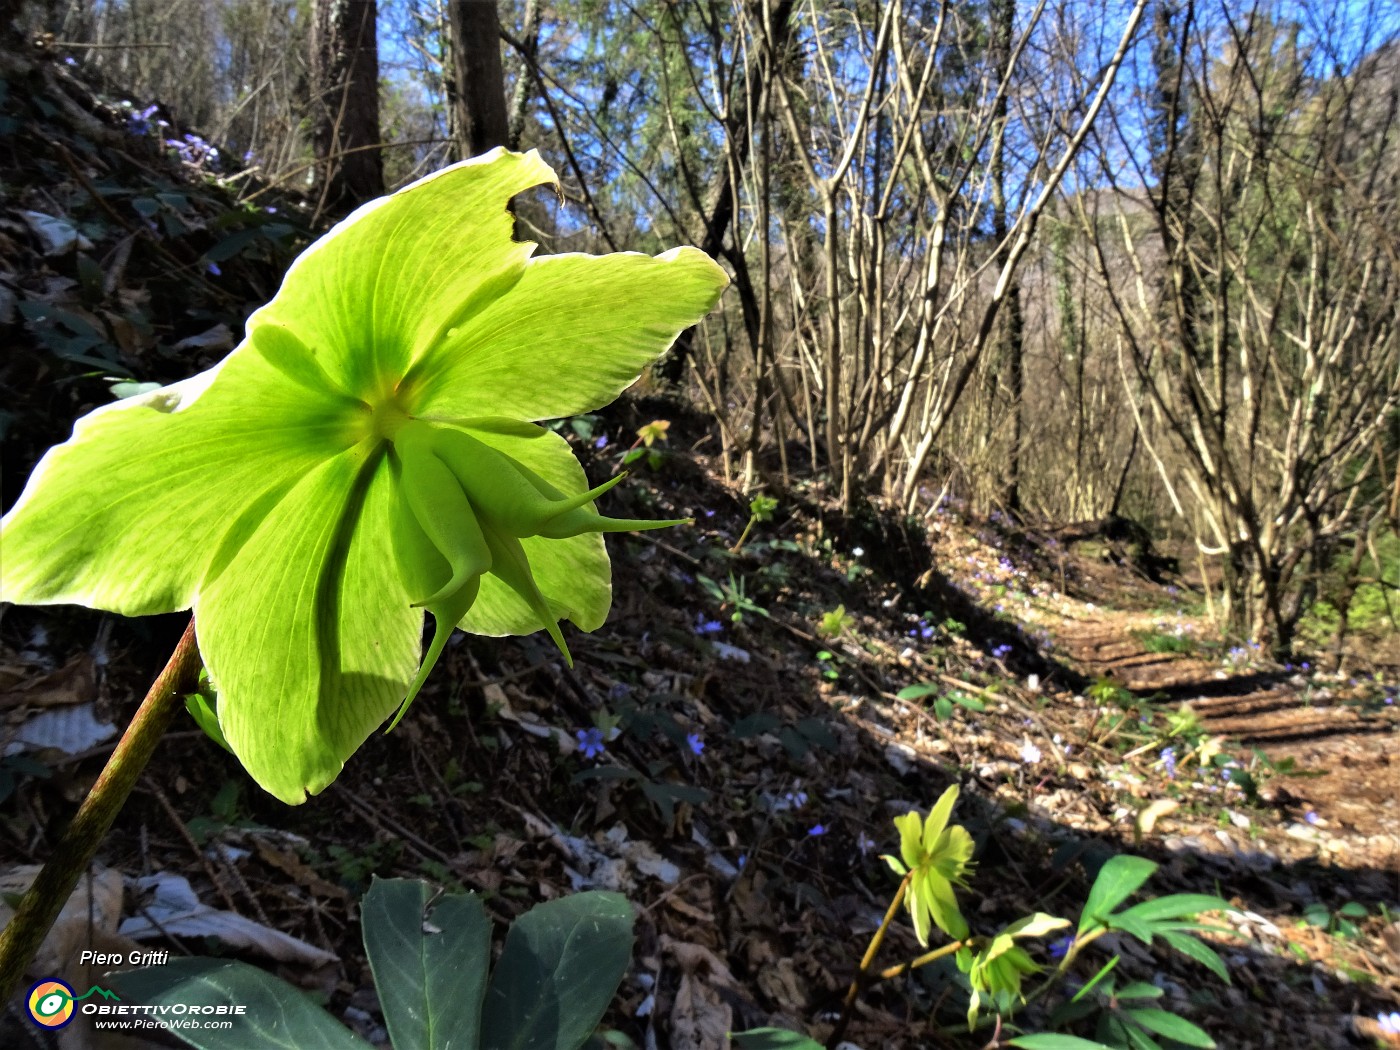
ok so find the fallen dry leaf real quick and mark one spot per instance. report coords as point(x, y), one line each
point(1147, 819)
point(700, 1018)
point(73, 683)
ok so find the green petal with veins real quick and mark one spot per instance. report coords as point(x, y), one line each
point(911, 829)
point(128, 514)
point(938, 897)
point(581, 327)
point(385, 285)
point(309, 634)
point(938, 818)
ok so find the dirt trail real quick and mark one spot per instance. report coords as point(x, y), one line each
point(1348, 748)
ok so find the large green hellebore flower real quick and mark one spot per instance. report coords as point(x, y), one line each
point(939, 856)
point(365, 453)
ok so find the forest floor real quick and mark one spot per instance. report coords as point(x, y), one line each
point(754, 864)
point(763, 745)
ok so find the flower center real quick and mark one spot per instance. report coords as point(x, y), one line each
point(388, 417)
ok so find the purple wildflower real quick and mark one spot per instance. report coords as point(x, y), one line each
point(704, 626)
point(694, 742)
point(1169, 762)
point(1060, 948)
point(590, 741)
point(195, 151)
point(1311, 816)
point(601, 441)
point(817, 829)
point(140, 123)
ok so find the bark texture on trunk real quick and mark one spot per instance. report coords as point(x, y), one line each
point(477, 91)
point(345, 103)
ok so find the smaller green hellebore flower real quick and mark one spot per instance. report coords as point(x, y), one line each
point(366, 453)
point(939, 857)
point(996, 971)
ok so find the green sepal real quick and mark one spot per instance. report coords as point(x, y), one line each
point(341, 651)
point(203, 713)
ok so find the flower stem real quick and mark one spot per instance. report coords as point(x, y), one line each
point(21, 938)
point(891, 972)
point(743, 535)
point(862, 975)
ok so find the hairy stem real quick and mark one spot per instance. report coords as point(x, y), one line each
point(21, 938)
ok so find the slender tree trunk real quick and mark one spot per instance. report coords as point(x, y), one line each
point(834, 430)
point(345, 102)
point(719, 201)
point(1012, 335)
point(520, 97)
point(476, 93)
